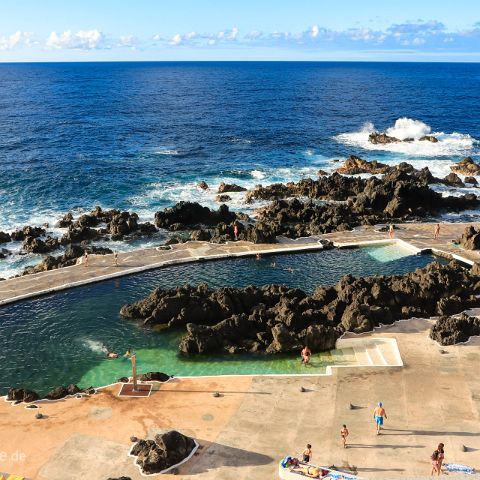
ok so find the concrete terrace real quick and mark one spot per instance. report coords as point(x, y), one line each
point(415, 236)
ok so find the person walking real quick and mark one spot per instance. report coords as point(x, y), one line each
point(344, 434)
point(235, 231)
point(115, 258)
point(85, 258)
point(307, 454)
point(441, 457)
point(378, 415)
point(434, 460)
point(391, 231)
point(437, 231)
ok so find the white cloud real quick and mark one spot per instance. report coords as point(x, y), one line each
point(128, 41)
point(315, 31)
point(253, 35)
point(82, 40)
point(176, 40)
point(17, 39)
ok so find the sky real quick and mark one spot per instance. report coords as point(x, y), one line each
point(148, 30)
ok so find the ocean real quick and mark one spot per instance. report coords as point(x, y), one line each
point(140, 136)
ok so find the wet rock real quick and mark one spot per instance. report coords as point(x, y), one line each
point(72, 253)
point(20, 235)
point(355, 165)
point(57, 393)
point(322, 173)
point(453, 180)
point(123, 380)
point(22, 395)
point(227, 187)
point(165, 451)
point(203, 185)
point(471, 181)
point(65, 221)
point(466, 167)
point(5, 237)
point(428, 138)
point(77, 234)
point(449, 330)
point(35, 245)
point(381, 138)
point(223, 198)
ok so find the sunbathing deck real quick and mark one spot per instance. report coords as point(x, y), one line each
point(418, 236)
point(256, 421)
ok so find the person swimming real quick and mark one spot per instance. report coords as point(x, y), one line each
point(108, 353)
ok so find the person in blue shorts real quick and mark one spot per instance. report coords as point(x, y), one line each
point(378, 415)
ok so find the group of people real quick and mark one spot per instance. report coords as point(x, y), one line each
point(379, 415)
point(436, 232)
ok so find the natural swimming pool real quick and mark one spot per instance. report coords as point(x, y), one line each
point(57, 339)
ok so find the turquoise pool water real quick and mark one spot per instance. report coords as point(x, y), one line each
point(57, 339)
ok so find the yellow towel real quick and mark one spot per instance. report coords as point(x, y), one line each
point(15, 477)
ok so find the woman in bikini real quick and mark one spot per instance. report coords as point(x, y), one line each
point(441, 456)
point(344, 434)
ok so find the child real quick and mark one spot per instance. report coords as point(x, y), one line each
point(344, 435)
point(307, 453)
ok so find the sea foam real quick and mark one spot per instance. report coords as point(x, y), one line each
point(448, 143)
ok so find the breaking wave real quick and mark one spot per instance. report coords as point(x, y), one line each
point(448, 143)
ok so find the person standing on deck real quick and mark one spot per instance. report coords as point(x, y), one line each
point(85, 258)
point(235, 232)
point(344, 434)
point(437, 231)
point(391, 231)
point(115, 258)
point(307, 454)
point(378, 415)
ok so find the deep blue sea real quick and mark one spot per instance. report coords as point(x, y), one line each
point(139, 136)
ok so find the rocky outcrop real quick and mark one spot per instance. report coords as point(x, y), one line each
point(470, 240)
point(355, 165)
point(185, 215)
point(22, 234)
point(203, 185)
point(230, 187)
point(223, 198)
point(165, 451)
point(62, 392)
point(22, 395)
point(154, 377)
point(466, 167)
point(65, 221)
point(471, 180)
point(36, 245)
point(382, 138)
point(453, 180)
point(72, 253)
point(5, 237)
point(428, 138)
point(277, 319)
point(449, 330)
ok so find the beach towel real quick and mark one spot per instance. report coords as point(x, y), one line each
point(458, 467)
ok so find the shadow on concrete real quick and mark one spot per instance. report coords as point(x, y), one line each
point(222, 392)
point(363, 445)
point(433, 433)
point(372, 469)
point(217, 455)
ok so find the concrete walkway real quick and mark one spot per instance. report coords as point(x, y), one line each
point(417, 237)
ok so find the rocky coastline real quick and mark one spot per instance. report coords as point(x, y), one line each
point(276, 319)
point(336, 202)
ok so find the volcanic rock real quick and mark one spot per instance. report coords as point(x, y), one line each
point(22, 395)
point(230, 187)
point(428, 138)
point(223, 198)
point(466, 167)
point(20, 235)
point(381, 138)
point(191, 214)
point(154, 377)
point(471, 181)
point(355, 165)
point(449, 330)
point(453, 180)
point(203, 185)
point(4, 237)
point(470, 240)
point(65, 221)
point(168, 449)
